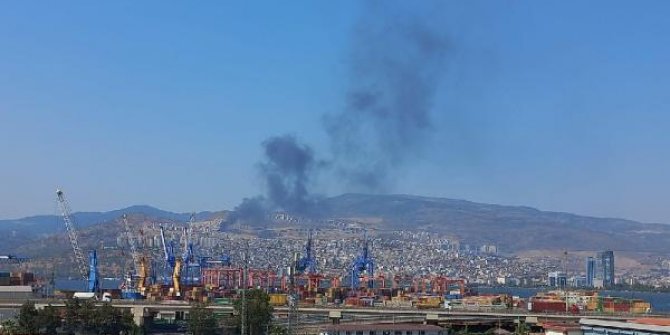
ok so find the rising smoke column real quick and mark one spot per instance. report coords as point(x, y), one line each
point(287, 172)
point(394, 70)
point(395, 65)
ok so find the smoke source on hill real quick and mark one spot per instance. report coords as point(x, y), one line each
point(395, 64)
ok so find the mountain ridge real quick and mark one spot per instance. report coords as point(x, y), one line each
point(514, 228)
point(13, 232)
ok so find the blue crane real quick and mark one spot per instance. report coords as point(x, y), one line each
point(307, 263)
point(93, 281)
point(362, 264)
point(192, 268)
point(170, 260)
point(90, 275)
point(190, 264)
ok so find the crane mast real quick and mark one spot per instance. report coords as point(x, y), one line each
point(141, 267)
point(165, 250)
point(170, 260)
point(307, 264)
point(187, 234)
point(363, 263)
point(72, 234)
point(133, 244)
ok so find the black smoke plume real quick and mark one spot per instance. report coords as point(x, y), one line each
point(250, 211)
point(395, 66)
point(287, 170)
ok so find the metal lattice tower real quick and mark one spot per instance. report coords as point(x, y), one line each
point(245, 274)
point(72, 234)
point(133, 244)
point(307, 264)
point(189, 231)
point(292, 327)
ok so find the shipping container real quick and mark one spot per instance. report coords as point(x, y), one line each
point(352, 301)
point(429, 302)
point(278, 299)
point(542, 306)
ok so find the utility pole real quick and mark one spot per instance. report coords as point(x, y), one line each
point(565, 269)
point(245, 275)
point(292, 298)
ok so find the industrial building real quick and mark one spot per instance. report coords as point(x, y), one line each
point(383, 329)
point(644, 326)
point(562, 329)
point(22, 292)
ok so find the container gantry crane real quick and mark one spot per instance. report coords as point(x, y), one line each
point(362, 264)
point(140, 270)
point(192, 264)
point(92, 280)
point(90, 274)
point(307, 263)
point(170, 260)
point(72, 233)
point(133, 245)
point(187, 257)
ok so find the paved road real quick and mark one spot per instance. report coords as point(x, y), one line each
point(326, 310)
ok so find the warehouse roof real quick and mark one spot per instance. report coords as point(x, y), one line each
point(658, 327)
point(16, 289)
point(384, 326)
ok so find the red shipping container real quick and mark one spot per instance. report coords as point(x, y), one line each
point(542, 306)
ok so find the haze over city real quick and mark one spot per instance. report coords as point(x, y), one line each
point(556, 105)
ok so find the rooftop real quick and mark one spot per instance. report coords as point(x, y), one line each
point(653, 321)
point(384, 326)
point(16, 289)
point(561, 326)
point(651, 325)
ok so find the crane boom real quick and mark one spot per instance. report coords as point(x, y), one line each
point(133, 244)
point(169, 265)
point(187, 234)
point(165, 249)
point(307, 264)
point(72, 234)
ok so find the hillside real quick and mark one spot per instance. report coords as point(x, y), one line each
point(14, 233)
point(514, 228)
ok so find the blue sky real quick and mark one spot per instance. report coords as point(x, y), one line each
point(560, 105)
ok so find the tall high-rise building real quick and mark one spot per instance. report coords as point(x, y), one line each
point(606, 267)
point(590, 271)
point(557, 279)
